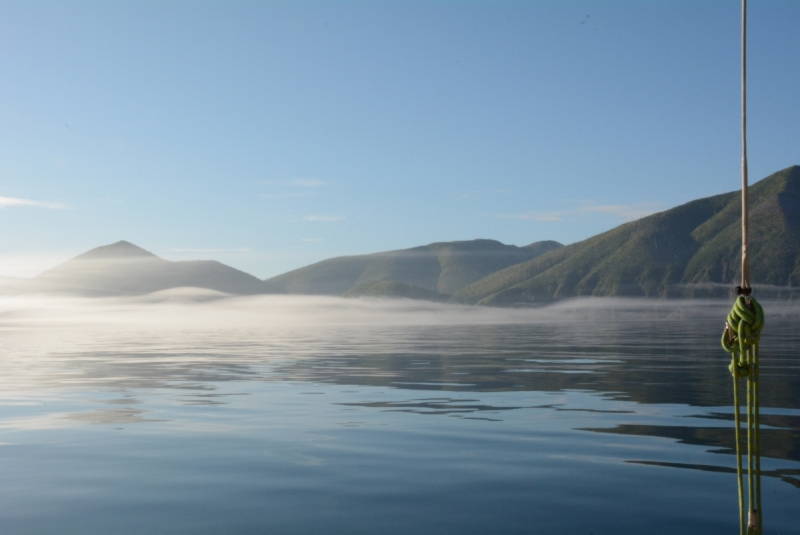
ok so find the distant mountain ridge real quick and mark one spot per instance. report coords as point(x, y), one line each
point(431, 272)
point(123, 268)
point(688, 251)
point(691, 250)
point(437, 269)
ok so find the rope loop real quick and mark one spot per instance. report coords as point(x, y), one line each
point(743, 327)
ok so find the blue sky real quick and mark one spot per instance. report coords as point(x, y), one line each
point(269, 135)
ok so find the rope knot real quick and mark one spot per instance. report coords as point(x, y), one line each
point(739, 369)
point(741, 338)
point(743, 325)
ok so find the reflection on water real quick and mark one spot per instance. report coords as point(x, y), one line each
point(253, 416)
point(787, 475)
point(434, 406)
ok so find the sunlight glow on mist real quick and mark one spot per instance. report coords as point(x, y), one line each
point(194, 308)
point(29, 265)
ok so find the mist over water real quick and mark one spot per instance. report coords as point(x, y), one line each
point(195, 412)
point(203, 309)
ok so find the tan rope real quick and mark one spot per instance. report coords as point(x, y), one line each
point(745, 215)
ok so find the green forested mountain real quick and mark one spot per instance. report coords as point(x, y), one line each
point(387, 288)
point(690, 250)
point(435, 270)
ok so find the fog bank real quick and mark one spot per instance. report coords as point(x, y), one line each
point(189, 308)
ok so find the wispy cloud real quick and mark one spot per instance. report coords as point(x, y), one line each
point(212, 250)
point(628, 212)
point(535, 216)
point(625, 212)
point(296, 188)
point(298, 182)
point(480, 193)
point(323, 218)
point(307, 183)
point(9, 202)
point(287, 195)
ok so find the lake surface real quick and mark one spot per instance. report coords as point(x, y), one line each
point(304, 416)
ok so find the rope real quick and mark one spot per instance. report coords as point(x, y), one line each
point(745, 263)
point(741, 338)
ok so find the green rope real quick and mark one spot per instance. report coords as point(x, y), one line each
point(741, 339)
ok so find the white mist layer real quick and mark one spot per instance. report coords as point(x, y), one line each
point(191, 308)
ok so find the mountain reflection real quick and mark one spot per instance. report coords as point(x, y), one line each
point(775, 443)
point(637, 362)
point(433, 406)
point(787, 475)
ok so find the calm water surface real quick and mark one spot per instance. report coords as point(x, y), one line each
point(598, 419)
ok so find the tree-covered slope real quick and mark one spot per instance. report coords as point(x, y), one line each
point(440, 268)
point(692, 249)
point(386, 288)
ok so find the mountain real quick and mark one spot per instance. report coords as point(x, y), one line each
point(385, 288)
point(691, 250)
point(435, 270)
point(123, 268)
point(688, 251)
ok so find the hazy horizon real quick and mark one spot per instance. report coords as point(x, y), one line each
point(179, 308)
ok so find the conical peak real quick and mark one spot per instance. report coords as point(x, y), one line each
point(120, 249)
